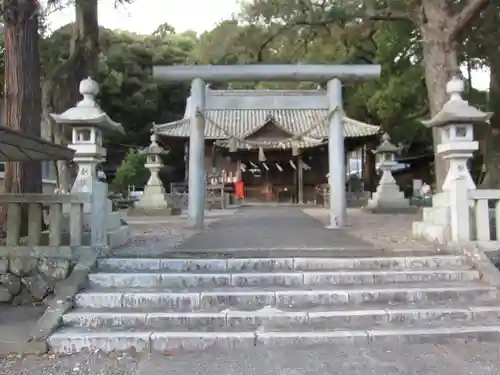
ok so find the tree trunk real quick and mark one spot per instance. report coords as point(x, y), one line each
point(440, 62)
point(22, 88)
point(488, 35)
point(492, 178)
point(61, 90)
point(369, 167)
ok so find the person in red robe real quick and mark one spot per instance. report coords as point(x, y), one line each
point(239, 188)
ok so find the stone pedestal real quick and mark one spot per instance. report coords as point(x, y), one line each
point(435, 224)
point(388, 198)
point(154, 199)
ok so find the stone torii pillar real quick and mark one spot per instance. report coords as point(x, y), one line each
point(200, 74)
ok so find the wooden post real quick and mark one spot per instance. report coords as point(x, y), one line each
point(300, 173)
point(186, 160)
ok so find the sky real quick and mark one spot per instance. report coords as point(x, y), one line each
point(144, 16)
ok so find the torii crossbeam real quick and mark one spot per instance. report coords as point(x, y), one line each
point(332, 74)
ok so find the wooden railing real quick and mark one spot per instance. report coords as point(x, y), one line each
point(46, 232)
point(484, 221)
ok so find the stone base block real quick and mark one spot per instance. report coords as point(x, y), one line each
point(119, 236)
point(116, 238)
point(391, 210)
point(168, 211)
point(431, 232)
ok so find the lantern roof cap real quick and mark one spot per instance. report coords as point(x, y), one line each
point(87, 112)
point(457, 110)
point(386, 146)
point(154, 148)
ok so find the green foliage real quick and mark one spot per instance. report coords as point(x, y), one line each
point(131, 172)
point(129, 92)
point(323, 35)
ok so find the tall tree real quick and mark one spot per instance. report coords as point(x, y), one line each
point(22, 87)
point(439, 25)
point(60, 90)
point(482, 46)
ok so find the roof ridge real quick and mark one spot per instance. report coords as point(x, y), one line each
point(265, 110)
point(268, 92)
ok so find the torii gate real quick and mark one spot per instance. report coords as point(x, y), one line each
point(200, 74)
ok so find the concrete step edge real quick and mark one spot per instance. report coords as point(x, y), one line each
point(263, 313)
point(110, 334)
point(158, 263)
point(241, 279)
point(282, 273)
point(154, 341)
point(98, 318)
point(392, 287)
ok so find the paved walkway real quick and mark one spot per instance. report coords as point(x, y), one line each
point(423, 359)
point(271, 228)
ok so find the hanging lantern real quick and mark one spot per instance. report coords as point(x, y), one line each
point(262, 156)
point(304, 166)
point(233, 144)
point(295, 148)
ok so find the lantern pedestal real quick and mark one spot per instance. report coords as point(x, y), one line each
point(388, 198)
point(154, 200)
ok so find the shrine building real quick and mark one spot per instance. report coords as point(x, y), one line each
point(275, 140)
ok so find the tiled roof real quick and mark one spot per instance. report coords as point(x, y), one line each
point(241, 123)
point(305, 142)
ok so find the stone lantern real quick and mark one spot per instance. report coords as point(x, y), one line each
point(455, 122)
point(386, 156)
point(89, 123)
point(388, 197)
point(154, 197)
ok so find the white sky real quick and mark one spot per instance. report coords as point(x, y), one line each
point(144, 16)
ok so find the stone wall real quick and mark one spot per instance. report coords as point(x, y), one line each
point(30, 280)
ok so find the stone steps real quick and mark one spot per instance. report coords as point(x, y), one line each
point(195, 298)
point(72, 340)
point(331, 315)
point(277, 278)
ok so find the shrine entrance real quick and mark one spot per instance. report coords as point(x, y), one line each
point(246, 127)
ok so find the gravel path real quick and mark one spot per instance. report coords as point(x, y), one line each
point(154, 236)
point(423, 359)
point(388, 231)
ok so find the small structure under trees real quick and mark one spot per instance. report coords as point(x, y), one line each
point(275, 140)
